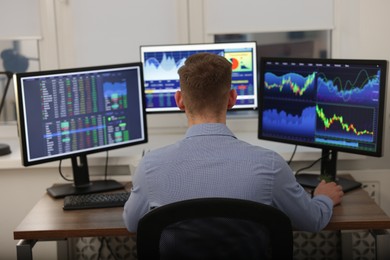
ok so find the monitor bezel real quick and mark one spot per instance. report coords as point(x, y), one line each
point(200, 46)
point(21, 117)
point(381, 108)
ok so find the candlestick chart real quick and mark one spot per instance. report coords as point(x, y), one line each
point(352, 123)
point(290, 85)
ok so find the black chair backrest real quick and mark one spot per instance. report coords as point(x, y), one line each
point(211, 212)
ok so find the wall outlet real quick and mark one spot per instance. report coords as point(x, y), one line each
point(372, 188)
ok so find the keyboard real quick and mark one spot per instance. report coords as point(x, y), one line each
point(95, 200)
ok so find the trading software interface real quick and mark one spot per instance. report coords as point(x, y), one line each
point(80, 111)
point(161, 64)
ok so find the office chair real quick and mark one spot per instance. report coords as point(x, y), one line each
point(215, 228)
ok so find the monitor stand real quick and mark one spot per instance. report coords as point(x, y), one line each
point(62, 190)
point(311, 181)
point(82, 184)
point(328, 173)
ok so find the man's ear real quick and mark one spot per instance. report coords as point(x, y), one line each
point(179, 100)
point(232, 98)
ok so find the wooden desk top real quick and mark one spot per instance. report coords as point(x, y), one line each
point(48, 221)
point(358, 211)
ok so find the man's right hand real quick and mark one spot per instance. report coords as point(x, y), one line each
point(330, 189)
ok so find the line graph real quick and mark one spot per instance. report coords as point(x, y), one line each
point(357, 86)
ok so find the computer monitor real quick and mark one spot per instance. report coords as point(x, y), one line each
point(331, 104)
point(161, 63)
point(71, 113)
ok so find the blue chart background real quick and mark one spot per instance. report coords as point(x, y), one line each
point(363, 89)
point(169, 61)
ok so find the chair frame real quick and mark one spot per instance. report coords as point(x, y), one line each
point(152, 224)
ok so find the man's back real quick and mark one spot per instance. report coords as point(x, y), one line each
point(211, 162)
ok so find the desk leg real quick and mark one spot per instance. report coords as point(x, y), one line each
point(62, 250)
point(382, 243)
point(346, 244)
point(24, 249)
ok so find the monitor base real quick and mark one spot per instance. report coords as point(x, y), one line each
point(4, 149)
point(311, 181)
point(62, 190)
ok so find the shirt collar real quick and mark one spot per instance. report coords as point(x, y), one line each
point(209, 129)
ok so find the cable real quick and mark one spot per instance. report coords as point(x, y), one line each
point(102, 240)
point(100, 247)
point(110, 249)
point(60, 171)
point(293, 154)
point(311, 165)
point(105, 170)
point(106, 167)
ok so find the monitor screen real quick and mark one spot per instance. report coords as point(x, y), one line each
point(162, 80)
point(331, 104)
point(70, 113)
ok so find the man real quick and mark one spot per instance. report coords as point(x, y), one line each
point(211, 162)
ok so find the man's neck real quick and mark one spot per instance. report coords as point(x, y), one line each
point(204, 119)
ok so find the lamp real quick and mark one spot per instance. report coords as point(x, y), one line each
point(5, 148)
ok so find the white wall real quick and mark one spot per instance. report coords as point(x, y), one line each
point(96, 32)
point(19, 19)
point(248, 16)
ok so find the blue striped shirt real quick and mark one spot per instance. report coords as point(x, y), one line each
point(211, 162)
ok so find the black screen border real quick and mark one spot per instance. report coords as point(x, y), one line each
point(381, 109)
point(18, 77)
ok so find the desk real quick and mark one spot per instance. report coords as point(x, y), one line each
point(47, 221)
